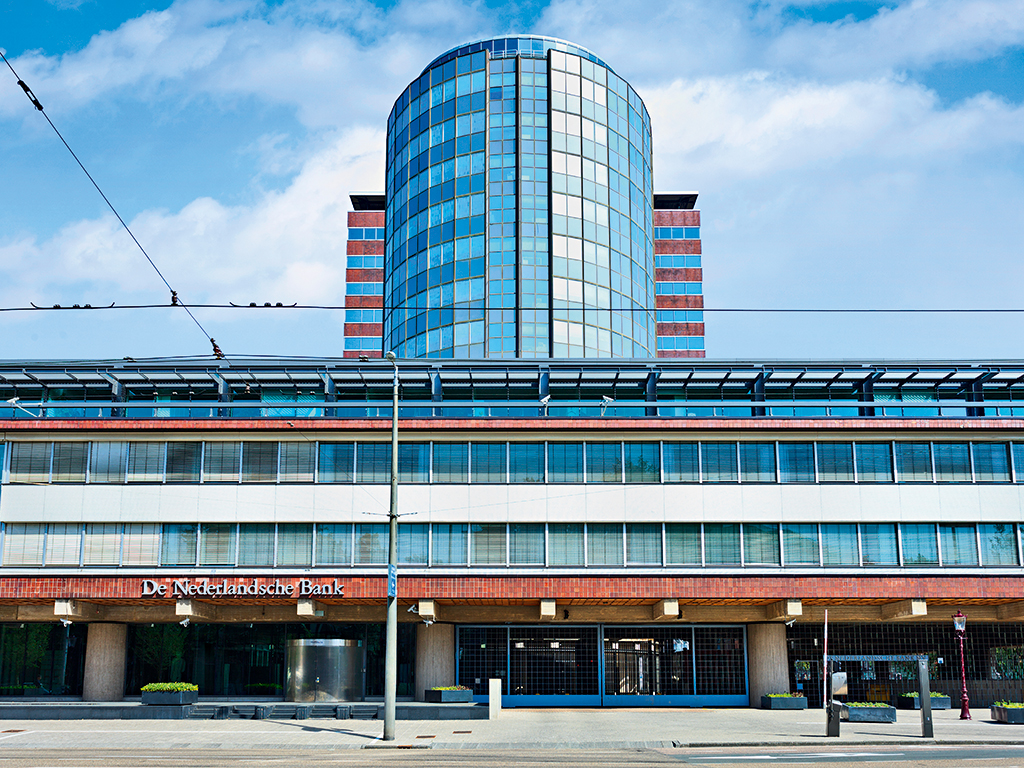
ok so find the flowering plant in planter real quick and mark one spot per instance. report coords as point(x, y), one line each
point(1007, 711)
point(449, 694)
point(451, 688)
point(868, 712)
point(784, 701)
point(170, 694)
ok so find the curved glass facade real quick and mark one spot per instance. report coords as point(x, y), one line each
point(519, 208)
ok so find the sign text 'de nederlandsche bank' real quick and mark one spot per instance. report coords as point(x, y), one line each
point(242, 588)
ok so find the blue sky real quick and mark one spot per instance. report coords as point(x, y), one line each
point(847, 154)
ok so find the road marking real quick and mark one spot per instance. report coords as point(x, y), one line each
point(16, 733)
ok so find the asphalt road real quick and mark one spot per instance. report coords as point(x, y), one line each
point(931, 756)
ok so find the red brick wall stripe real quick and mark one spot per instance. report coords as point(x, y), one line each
point(365, 248)
point(675, 218)
point(363, 329)
point(366, 218)
point(680, 352)
point(676, 246)
point(374, 302)
point(731, 588)
point(679, 275)
point(679, 302)
point(364, 276)
point(681, 329)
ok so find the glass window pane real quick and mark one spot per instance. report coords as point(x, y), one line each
point(256, 544)
point(878, 543)
point(221, 462)
point(919, 545)
point(102, 544)
point(959, 545)
point(526, 544)
point(413, 463)
point(178, 544)
point(604, 463)
point(952, 462)
point(800, 542)
point(23, 542)
point(217, 544)
point(991, 462)
point(874, 462)
point(796, 462)
point(565, 462)
point(334, 544)
point(526, 462)
point(109, 462)
point(682, 543)
point(259, 462)
point(839, 545)
point(835, 462)
point(914, 462)
point(1017, 451)
point(295, 544)
point(337, 463)
point(30, 463)
point(373, 462)
point(297, 462)
point(488, 462)
point(757, 462)
point(371, 547)
point(451, 463)
point(681, 463)
point(146, 462)
point(413, 543)
point(998, 544)
point(643, 543)
point(69, 462)
point(604, 544)
point(721, 543)
point(565, 544)
point(719, 463)
point(448, 545)
point(63, 543)
point(760, 544)
point(183, 462)
point(488, 544)
point(643, 462)
point(141, 544)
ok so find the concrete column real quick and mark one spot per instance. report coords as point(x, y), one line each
point(767, 660)
point(105, 659)
point(435, 657)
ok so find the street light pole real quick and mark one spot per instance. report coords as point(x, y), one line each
point(391, 635)
point(960, 627)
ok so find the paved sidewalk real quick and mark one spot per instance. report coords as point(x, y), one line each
point(515, 729)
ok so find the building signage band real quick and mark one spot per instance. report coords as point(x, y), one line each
point(242, 588)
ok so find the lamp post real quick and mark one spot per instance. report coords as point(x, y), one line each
point(960, 628)
point(391, 635)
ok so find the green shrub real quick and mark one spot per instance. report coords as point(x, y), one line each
point(785, 695)
point(451, 688)
point(866, 704)
point(1009, 704)
point(915, 694)
point(168, 687)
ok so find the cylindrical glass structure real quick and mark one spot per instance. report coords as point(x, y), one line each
point(519, 208)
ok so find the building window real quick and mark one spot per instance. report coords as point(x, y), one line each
point(294, 544)
point(413, 543)
point(604, 462)
point(681, 463)
point(643, 543)
point(682, 544)
point(256, 544)
point(835, 462)
point(23, 543)
point(451, 463)
point(952, 462)
point(102, 545)
point(178, 544)
point(334, 544)
point(991, 462)
point(109, 462)
point(874, 462)
point(297, 462)
point(796, 462)
point(913, 462)
point(526, 544)
point(757, 462)
point(337, 463)
point(839, 545)
point(721, 543)
point(373, 462)
point(643, 463)
point(604, 544)
point(526, 462)
point(565, 544)
point(760, 544)
point(183, 462)
point(959, 545)
point(800, 543)
point(565, 462)
point(919, 544)
point(488, 544)
point(878, 544)
point(998, 544)
point(217, 544)
point(371, 545)
point(69, 462)
point(146, 462)
point(413, 463)
point(141, 544)
point(259, 462)
point(221, 462)
point(30, 462)
point(719, 462)
point(489, 462)
point(449, 544)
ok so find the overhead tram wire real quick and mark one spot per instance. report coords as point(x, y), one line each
point(339, 307)
point(175, 300)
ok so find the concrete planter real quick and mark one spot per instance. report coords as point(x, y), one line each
point(448, 697)
point(914, 702)
point(869, 714)
point(783, 702)
point(170, 698)
point(1007, 714)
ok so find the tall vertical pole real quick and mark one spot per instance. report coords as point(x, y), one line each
point(960, 627)
point(391, 637)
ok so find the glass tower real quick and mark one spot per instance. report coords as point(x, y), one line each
point(519, 201)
